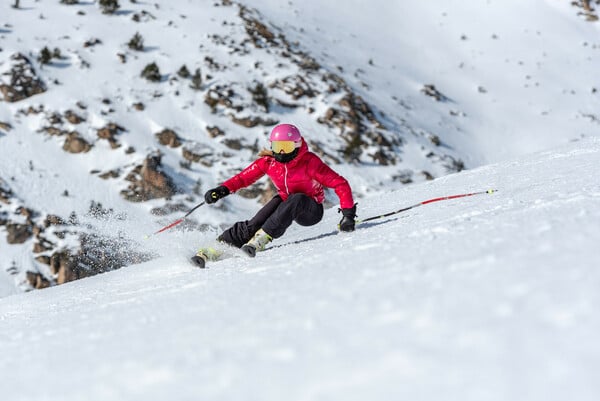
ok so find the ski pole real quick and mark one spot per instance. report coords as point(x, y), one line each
point(489, 191)
point(180, 220)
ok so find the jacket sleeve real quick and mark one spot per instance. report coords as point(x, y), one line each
point(248, 176)
point(330, 179)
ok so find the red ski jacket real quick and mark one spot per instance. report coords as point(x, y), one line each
point(306, 174)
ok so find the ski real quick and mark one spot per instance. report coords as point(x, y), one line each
point(214, 253)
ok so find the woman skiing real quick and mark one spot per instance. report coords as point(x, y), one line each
point(299, 176)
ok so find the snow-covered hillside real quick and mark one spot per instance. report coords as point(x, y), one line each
point(520, 76)
point(489, 297)
point(389, 93)
point(138, 112)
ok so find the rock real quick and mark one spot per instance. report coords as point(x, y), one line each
point(42, 245)
point(168, 138)
point(73, 117)
point(259, 34)
point(222, 95)
point(5, 193)
point(37, 281)
point(356, 122)
point(215, 131)
point(234, 144)
point(5, 126)
point(110, 174)
point(22, 82)
point(148, 181)
point(139, 106)
point(18, 233)
point(43, 259)
point(109, 132)
point(199, 153)
point(62, 266)
point(53, 220)
point(250, 122)
point(54, 131)
point(296, 86)
point(76, 144)
point(432, 91)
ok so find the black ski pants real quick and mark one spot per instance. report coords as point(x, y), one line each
point(274, 218)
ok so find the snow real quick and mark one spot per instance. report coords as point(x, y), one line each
point(536, 61)
point(490, 297)
point(487, 297)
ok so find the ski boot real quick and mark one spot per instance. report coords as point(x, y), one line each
point(257, 243)
point(204, 255)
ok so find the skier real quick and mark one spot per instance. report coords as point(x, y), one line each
point(299, 176)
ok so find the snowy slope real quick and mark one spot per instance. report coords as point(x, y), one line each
point(94, 82)
point(518, 77)
point(490, 297)
point(521, 76)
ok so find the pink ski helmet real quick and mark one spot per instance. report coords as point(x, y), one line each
point(285, 142)
point(286, 132)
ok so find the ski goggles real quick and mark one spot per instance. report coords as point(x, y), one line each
point(283, 146)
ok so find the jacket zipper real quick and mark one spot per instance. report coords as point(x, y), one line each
point(287, 190)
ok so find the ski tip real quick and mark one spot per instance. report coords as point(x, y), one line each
point(199, 262)
point(491, 191)
point(249, 250)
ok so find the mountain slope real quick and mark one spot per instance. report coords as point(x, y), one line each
point(490, 297)
point(137, 113)
point(389, 94)
point(518, 77)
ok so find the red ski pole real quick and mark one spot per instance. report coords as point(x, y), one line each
point(489, 191)
point(176, 222)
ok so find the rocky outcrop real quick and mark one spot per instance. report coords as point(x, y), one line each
point(296, 86)
point(588, 11)
point(260, 35)
point(148, 181)
point(224, 96)
point(20, 81)
point(360, 128)
point(94, 254)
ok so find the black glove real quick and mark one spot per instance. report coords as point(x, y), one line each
point(213, 195)
point(347, 223)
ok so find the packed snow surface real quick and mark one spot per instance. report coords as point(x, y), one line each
point(489, 297)
point(493, 297)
